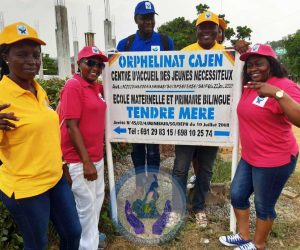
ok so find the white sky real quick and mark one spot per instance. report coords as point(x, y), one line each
point(269, 19)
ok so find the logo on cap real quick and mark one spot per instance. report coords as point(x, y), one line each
point(255, 48)
point(22, 30)
point(148, 5)
point(208, 15)
point(95, 50)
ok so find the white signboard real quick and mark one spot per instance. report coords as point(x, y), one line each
point(178, 97)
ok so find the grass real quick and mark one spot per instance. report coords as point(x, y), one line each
point(221, 171)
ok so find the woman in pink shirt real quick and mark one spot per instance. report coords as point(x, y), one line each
point(82, 115)
point(267, 109)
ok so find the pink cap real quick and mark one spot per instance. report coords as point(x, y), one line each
point(89, 51)
point(259, 49)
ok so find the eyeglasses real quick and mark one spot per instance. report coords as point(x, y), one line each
point(92, 63)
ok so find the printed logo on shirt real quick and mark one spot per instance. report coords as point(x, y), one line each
point(155, 48)
point(260, 101)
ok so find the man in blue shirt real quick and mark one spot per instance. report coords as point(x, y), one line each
point(145, 39)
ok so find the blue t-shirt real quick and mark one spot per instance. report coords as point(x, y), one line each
point(139, 44)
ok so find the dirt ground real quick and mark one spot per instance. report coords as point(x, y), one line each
point(285, 233)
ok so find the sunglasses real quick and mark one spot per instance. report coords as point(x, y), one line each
point(92, 63)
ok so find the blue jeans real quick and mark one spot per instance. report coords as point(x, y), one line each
point(205, 159)
point(265, 183)
point(32, 217)
point(141, 152)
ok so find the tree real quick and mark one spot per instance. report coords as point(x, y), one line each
point(242, 33)
point(182, 31)
point(49, 65)
point(291, 58)
point(201, 8)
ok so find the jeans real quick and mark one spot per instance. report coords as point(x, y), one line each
point(138, 155)
point(205, 159)
point(265, 183)
point(32, 217)
point(89, 196)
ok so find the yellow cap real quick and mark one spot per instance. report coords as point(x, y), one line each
point(222, 23)
point(207, 16)
point(17, 32)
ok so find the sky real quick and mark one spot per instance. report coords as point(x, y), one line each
point(270, 20)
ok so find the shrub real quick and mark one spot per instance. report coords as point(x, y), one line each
point(9, 237)
point(52, 87)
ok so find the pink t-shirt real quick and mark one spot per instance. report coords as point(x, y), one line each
point(266, 134)
point(83, 101)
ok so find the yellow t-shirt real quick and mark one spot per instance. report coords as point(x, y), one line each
point(31, 154)
point(196, 46)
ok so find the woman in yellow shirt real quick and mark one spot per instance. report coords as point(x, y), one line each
point(31, 183)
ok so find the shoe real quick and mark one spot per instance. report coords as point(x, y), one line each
point(174, 219)
point(233, 240)
point(191, 182)
point(247, 246)
point(102, 241)
point(201, 219)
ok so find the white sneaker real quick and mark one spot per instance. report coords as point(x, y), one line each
point(233, 240)
point(247, 246)
point(174, 219)
point(191, 182)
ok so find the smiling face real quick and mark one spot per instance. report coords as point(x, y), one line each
point(207, 33)
point(145, 24)
point(90, 68)
point(258, 68)
point(24, 60)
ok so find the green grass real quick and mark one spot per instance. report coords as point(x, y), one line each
point(221, 171)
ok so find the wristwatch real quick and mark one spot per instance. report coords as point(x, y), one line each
point(279, 94)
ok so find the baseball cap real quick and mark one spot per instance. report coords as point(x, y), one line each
point(19, 31)
point(144, 7)
point(207, 16)
point(89, 51)
point(259, 49)
point(222, 23)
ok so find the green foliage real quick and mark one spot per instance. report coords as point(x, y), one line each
point(221, 171)
point(120, 150)
point(182, 32)
point(201, 8)
point(290, 53)
point(292, 57)
point(52, 87)
point(229, 32)
point(49, 65)
point(9, 237)
point(243, 32)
